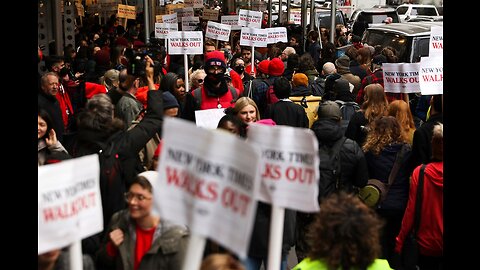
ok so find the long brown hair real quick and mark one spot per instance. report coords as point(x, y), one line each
point(345, 233)
point(401, 110)
point(375, 105)
point(384, 131)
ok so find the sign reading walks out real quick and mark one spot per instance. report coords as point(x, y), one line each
point(401, 77)
point(180, 42)
point(231, 20)
point(69, 203)
point(253, 37)
point(436, 41)
point(208, 186)
point(163, 29)
point(289, 166)
point(431, 75)
point(218, 31)
point(249, 18)
point(276, 34)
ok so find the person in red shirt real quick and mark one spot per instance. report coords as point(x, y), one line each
point(137, 239)
point(430, 229)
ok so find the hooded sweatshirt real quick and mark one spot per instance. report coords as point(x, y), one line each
point(430, 231)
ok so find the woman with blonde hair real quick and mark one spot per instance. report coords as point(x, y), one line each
point(374, 107)
point(401, 110)
point(247, 110)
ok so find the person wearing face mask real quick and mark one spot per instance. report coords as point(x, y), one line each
point(214, 93)
point(238, 65)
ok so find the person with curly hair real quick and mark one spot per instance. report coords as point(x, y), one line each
point(345, 235)
point(221, 262)
point(401, 110)
point(382, 147)
point(374, 107)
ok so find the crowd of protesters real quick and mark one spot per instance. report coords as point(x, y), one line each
point(90, 95)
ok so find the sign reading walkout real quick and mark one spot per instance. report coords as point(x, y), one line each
point(218, 31)
point(276, 34)
point(183, 42)
point(401, 78)
point(431, 75)
point(436, 41)
point(249, 18)
point(125, 11)
point(253, 37)
point(163, 29)
point(69, 203)
point(231, 20)
point(289, 166)
point(208, 186)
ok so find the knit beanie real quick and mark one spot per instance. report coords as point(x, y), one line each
point(215, 58)
point(329, 110)
point(263, 66)
point(276, 67)
point(300, 79)
point(169, 101)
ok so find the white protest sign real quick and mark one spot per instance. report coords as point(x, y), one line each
point(69, 203)
point(163, 29)
point(431, 75)
point(210, 14)
point(253, 37)
point(436, 41)
point(203, 183)
point(289, 166)
point(218, 31)
point(231, 20)
point(249, 18)
point(296, 17)
point(276, 34)
point(184, 12)
point(185, 42)
point(170, 18)
point(401, 77)
point(190, 23)
point(125, 11)
point(208, 118)
point(194, 3)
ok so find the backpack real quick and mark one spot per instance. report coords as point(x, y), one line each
point(310, 104)
point(330, 168)
point(347, 109)
point(317, 87)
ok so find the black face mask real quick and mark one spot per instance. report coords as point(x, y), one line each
point(63, 72)
point(239, 69)
point(215, 78)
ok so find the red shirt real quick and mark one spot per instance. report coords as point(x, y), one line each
point(143, 244)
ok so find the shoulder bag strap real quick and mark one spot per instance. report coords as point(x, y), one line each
point(418, 201)
point(396, 165)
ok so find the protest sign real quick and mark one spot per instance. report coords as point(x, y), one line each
point(253, 37)
point(185, 42)
point(163, 29)
point(401, 77)
point(276, 34)
point(431, 75)
point(249, 18)
point(217, 31)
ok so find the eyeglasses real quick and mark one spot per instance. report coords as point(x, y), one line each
point(200, 80)
point(140, 198)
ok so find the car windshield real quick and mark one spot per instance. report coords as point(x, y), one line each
point(425, 11)
point(379, 18)
point(384, 39)
point(324, 19)
point(402, 10)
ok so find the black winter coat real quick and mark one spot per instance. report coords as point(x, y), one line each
point(353, 165)
point(422, 141)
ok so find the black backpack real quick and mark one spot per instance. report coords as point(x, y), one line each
point(317, 87)
point(330, 168)
point(347, 109)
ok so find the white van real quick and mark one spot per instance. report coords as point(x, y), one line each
point(410, 11)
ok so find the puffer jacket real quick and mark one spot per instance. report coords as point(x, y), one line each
point(168, 248)
point(352, 161)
